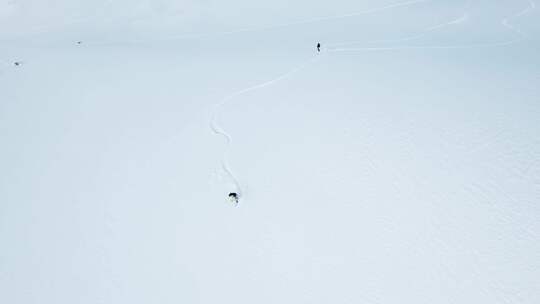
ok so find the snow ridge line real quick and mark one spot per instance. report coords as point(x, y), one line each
point(505, 22)
point(217, 129)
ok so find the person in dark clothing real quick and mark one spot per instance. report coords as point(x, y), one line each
point(318, 47)
point(233, 197)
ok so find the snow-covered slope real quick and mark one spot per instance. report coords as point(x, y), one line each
point(399, 165)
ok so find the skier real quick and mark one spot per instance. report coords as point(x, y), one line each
point(319, 47)
point(233, 197)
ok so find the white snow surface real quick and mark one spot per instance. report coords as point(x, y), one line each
point(399, 165)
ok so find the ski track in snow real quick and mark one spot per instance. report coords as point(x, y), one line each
point(217, 129)
point(423, 33)
point(506, 22)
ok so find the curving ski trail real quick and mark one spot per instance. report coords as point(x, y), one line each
point(217, 129)
point(506, 22)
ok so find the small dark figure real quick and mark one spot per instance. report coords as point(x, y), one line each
point(79, 42)
point(318, 47)
point(17, 63)
point(233, 197)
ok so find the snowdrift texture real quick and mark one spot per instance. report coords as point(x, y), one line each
point(399, 165)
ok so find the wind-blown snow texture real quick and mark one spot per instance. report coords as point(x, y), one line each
point(399, 165)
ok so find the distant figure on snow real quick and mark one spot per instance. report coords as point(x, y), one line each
point(318, 47)
point(233, 197)
point(17, 63)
